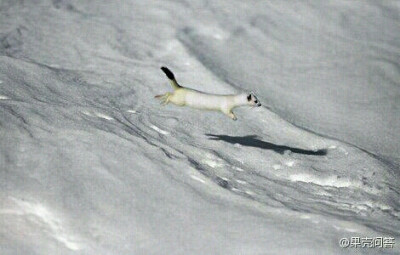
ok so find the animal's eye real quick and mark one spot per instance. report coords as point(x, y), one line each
point(256, 101)
point(249, 97)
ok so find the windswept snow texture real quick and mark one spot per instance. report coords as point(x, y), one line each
point(91, 163)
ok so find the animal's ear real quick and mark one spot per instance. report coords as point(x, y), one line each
point(249, 97)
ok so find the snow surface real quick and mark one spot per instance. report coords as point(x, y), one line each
point(92, 164)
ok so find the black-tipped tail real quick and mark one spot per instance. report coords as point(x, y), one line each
point(169, 74)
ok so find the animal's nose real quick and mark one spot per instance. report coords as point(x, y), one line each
point(259, 104)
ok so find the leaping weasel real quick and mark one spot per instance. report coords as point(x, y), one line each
point(196, 99)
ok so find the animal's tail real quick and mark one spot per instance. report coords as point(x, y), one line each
point(171, 78)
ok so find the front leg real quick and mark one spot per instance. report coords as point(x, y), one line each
point(228, 112)
point(232, 116)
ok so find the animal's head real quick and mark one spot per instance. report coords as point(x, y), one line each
point(252, 100)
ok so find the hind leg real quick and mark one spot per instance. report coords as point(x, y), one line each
point(165, 98)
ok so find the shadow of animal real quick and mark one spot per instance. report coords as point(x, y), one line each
point(253, 141)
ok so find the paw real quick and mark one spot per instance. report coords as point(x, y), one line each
point(232, 116)
point(164, 99)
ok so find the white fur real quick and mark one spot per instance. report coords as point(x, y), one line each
point(204, 101)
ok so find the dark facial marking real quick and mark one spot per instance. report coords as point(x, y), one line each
point(249, 97)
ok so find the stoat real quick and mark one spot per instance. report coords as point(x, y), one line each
point(196, 99)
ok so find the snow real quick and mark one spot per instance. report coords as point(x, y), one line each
point(45, 219)
point(333, 181)
point(91, 163)
point(159, 130)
